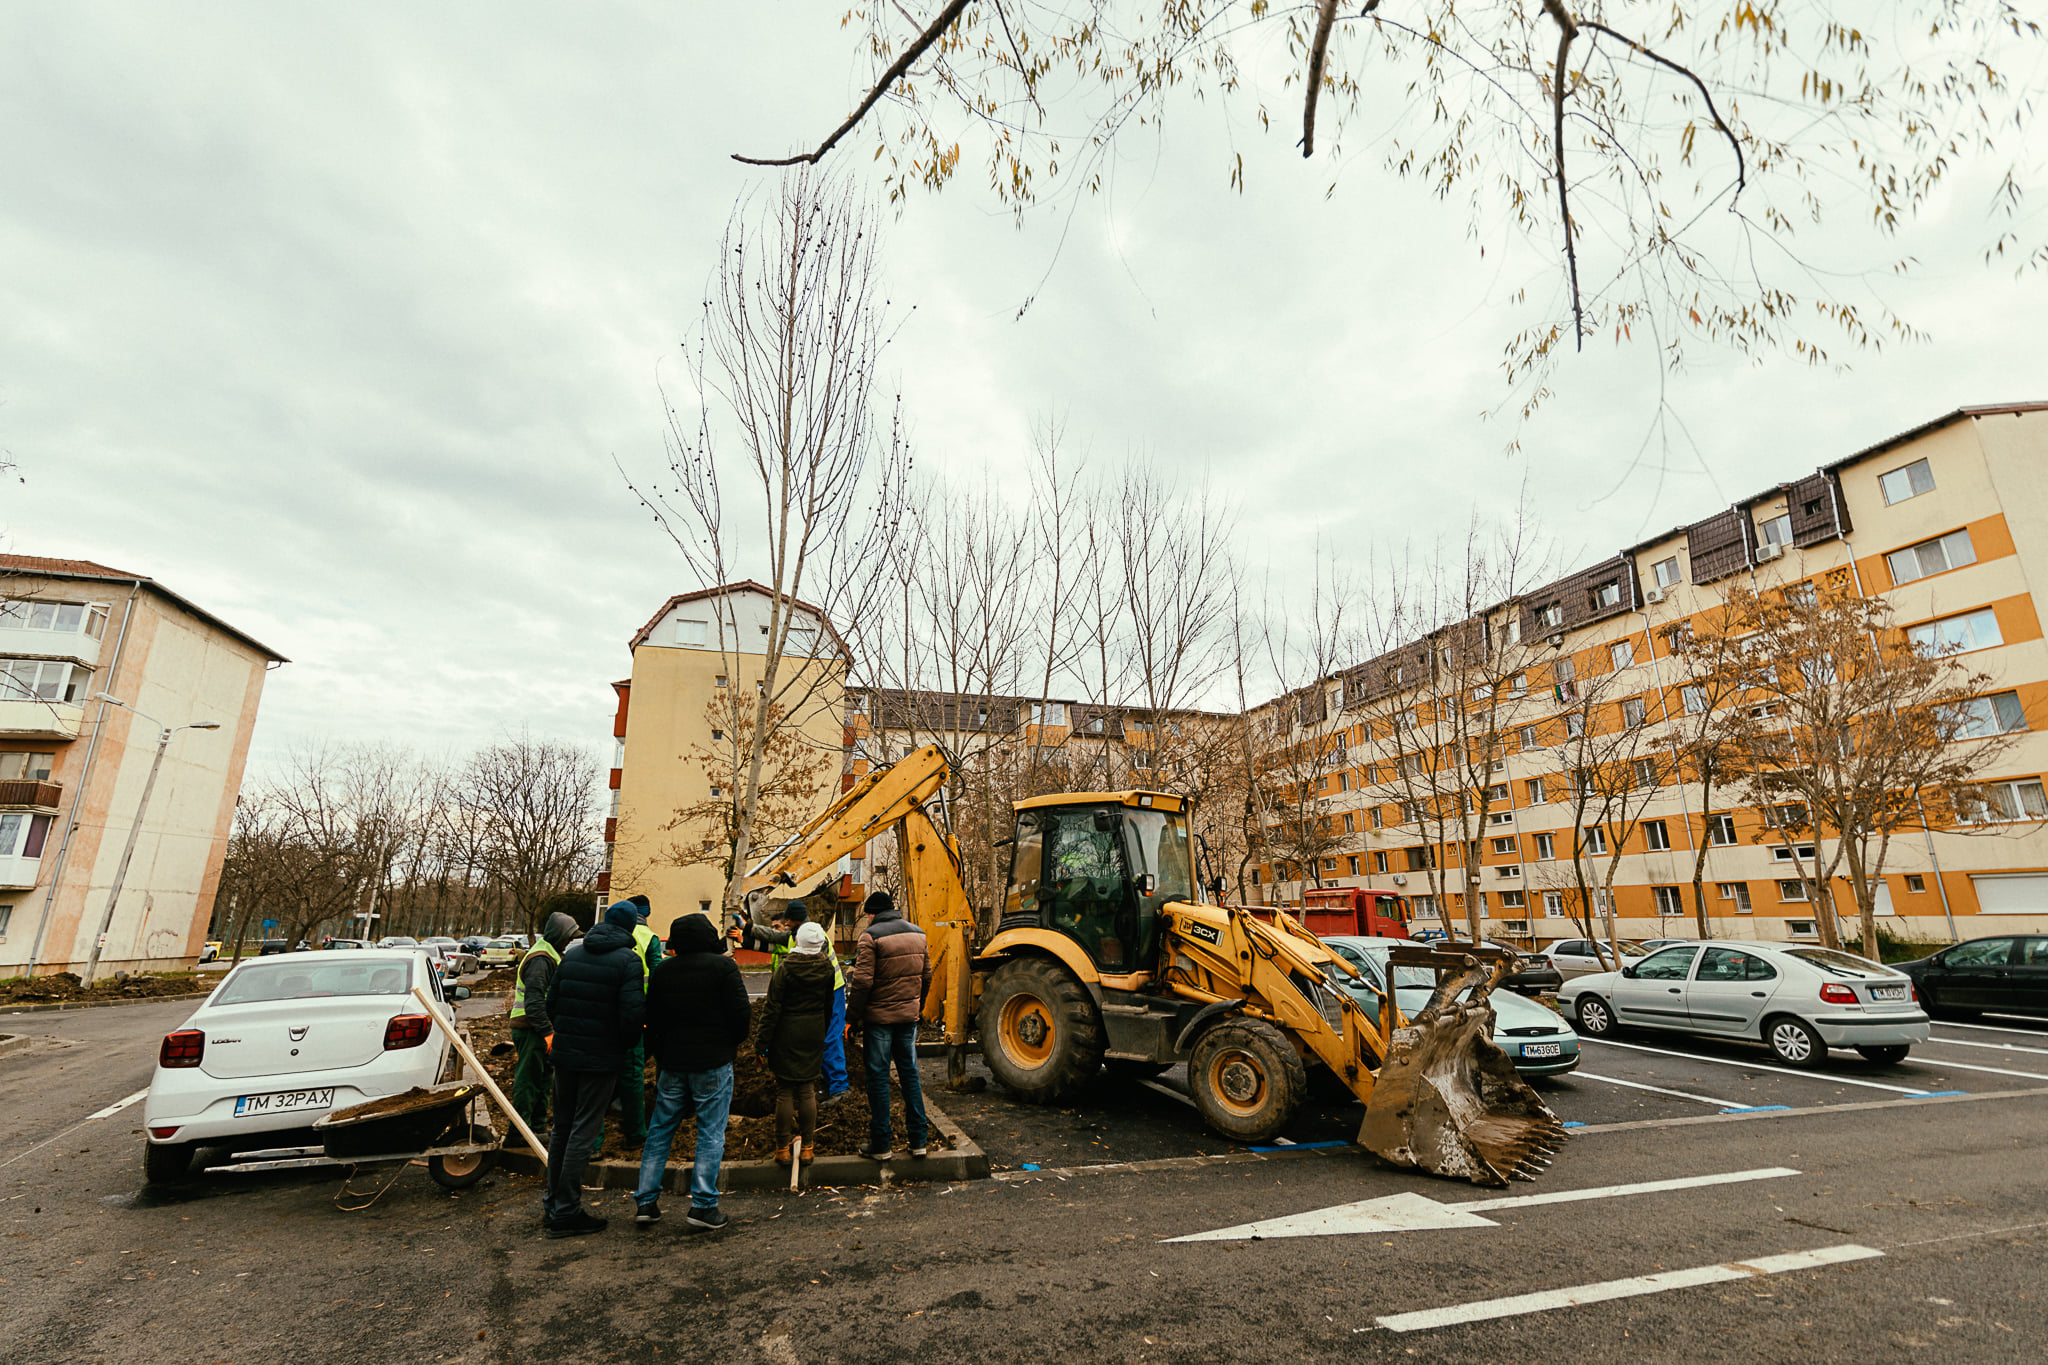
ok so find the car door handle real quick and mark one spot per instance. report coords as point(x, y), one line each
point(1760, 994)
point(1672, 989)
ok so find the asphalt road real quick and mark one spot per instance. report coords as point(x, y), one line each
point(1858, 1223)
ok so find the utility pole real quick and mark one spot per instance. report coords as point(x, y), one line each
point(163, 740)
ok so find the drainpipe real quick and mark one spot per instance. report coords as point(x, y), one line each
point(92, 750)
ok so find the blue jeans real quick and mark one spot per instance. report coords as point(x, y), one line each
point(897, 1043)
point(709, 1095)
point(835, 1048)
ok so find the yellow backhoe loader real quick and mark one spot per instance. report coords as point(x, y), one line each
point(1105, 954)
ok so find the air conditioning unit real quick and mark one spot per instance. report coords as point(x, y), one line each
point(1654, 596)
point(1400, 880)
point(1554, 641)
point(1768, 551)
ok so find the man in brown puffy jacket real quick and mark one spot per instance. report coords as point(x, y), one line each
point(891, 974)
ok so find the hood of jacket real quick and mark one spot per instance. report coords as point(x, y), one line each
point(693, 933)
point(558, 930)
point(807, 965)
point(617, 930)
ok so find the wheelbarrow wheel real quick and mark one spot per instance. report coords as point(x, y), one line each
point(461, 1172)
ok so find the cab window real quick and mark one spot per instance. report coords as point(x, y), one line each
point(1083, 885)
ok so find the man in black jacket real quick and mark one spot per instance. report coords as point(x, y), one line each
point(697, 1016)
point(599, 1006)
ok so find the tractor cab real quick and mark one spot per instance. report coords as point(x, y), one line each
point(1100, 867)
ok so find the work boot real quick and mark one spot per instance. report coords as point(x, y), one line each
point(782, 1155)
point(810, 1154)
point(577, 1224)
point(706, 1220)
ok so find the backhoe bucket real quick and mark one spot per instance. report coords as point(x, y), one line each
point(1448, 1100)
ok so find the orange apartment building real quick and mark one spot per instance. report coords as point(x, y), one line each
point(73, 766)
point(1949, 521)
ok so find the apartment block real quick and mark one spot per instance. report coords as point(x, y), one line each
point(678, 754)
point(1949, 521)
point(73, 766)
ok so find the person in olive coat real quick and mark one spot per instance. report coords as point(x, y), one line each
point(791, 1037)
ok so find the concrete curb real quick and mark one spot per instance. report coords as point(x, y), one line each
point(13, 1042)
point(964, 1161)
point(59, 1005)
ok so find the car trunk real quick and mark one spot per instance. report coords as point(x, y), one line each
point(276, 1037)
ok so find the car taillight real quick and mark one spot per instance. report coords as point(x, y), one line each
point(406, 1030)
point(1912, 992)
point(183, 1048)
point(163, 1134)
point(1837, 995)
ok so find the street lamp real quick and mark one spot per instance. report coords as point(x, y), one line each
point(163, 740)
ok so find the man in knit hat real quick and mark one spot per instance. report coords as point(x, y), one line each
point(778, 929)
point(598, 1005)
point(892, 974)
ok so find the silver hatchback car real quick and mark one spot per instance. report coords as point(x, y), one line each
point(1798, 1000)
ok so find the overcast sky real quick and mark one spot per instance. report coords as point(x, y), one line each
point(334, 319)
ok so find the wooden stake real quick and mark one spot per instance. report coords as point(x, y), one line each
point(796, 1161)
point(434, 1013)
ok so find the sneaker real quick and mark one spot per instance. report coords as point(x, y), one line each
point(707, 1220)
point(919, 1150)
point(876, 1154)
point(647, 1213)
point(577, 1224)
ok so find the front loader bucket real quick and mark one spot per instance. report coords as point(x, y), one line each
point(1448, 1101)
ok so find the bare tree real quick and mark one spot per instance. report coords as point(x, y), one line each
point(535, 806)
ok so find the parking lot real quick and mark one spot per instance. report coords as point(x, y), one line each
point(1714, 1205)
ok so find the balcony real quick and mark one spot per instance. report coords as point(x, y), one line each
point(25, 793)
point(29, 719)
point(20, 874)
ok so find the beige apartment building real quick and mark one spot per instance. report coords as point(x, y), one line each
point(73, 766)
point(697, 662)
point(1949, 521)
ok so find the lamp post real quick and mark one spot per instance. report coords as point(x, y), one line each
point(163, 740)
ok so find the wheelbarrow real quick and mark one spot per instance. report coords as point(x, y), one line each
point(446, 1124)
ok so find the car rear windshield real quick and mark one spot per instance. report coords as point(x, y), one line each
point(312, 980)
point(1841, 964)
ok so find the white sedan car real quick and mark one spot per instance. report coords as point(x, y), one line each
point(282, 1041)
point(1797, 1000)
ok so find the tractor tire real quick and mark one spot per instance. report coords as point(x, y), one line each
point(1247, 1079)
point(166, 1163)
point(1040, 1035)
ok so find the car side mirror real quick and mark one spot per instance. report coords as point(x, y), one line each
point(1629, 972)
point(1147, 883)
point(460, 992)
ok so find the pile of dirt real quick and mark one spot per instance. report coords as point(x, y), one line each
point(750, 1132)
point(66, 986)
point(497, 981)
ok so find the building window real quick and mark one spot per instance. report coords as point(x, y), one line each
point(1575, 725)
point(1255, 876)
point(1931, 557)
point(6, 916)
point(1720, 829)
point(1343, 782)
point(1353, 861)
point(1546, 847)
point(1606, 595)
point(718, 681)
point(1915, 883)
point(1349, 827)
point(1527, 735)
point(1500, 817)
point(1792, 853)
point(1420, 859)
point(615, 803)
point(1596, 839)
point(1802, 928)
point(1553, 905)
point(1621, 653)
point(1694, 699)
point(22, 835)
point(1508, 871)
point(64, 618)
point(1564, 676)
point(1553, 615)
point(1379, 862)
point(1793, 889)
point(1777, 531)
point(1404, 719)
point(1983, 717)
point(34, 767)
point(1633, 712)
point(1646, 772)
point(1957, 634)
point(1532, 787)
point(1514, 630)
point(860, 748)
point(1656, 835)
point(1665, 571)
point(1737, 892)
point(1141, 758)
point(1378, 820)
point(1513, 900)
point(1425, 906)
point(1668, 901)
point(716, 791)
point(1907, 481)
point(697, 633)
point(42, 680)
point(1992, 802)
point(1504, 846)
point(1329, 864)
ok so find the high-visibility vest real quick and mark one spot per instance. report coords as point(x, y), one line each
point(642, 936)
point(519, 986)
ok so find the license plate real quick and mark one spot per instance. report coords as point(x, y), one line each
point(1887, 992)
point(250, 1105)
point(1543, 1049)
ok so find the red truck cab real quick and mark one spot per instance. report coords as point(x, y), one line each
point(1354, 910)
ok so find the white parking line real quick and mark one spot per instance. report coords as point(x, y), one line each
point(1825, 1076)
point(1998, 1047)
point(1947, 1065)
point(1994, 1028)
point(118, 1105)
point(1684, 1095)
point(1548, 1299)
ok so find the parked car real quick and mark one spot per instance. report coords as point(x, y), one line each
point(210, 951)
point(452, 962)
point(1427, 935)
point(1651, 945)
point(476, 943)
point(1576, 956)
point(273, 945)
point(1534, 974)
point(501, 952)
point(279, 1044)
point(1537, 1040)
point(1797, 1000)
point(397, 941)
point(2009, 972)
point(443, 939)
point(348, 944)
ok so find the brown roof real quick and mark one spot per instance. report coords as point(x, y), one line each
point(86, 569)
point(1985, 410)
point(743, 585)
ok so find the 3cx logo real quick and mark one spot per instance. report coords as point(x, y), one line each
point(1206, 932)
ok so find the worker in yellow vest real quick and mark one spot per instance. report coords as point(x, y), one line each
point(532, 1029)
point(779, 932)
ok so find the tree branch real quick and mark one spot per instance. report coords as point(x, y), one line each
point(1741, 168)
point(1318, 54)
point(1567, 29)
point(932, 33)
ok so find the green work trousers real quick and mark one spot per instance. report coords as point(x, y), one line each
point(631, 1097)
point(532, 1078)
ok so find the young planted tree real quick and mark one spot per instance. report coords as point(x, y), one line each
point(1849, 731)
point(708, 831)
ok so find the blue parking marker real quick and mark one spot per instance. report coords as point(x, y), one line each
point(1571, 1123)
point(1932, 1093)
point(1029, 1166)
point(1756, 1108)
point(1299, 1146)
